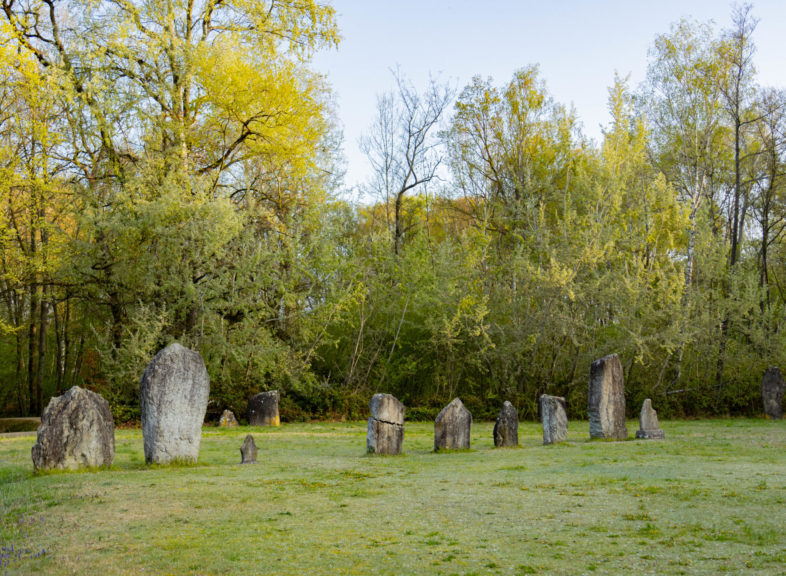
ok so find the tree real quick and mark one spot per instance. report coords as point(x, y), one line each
point(769, 201)
point(177, 120)
point(683, 102)
point(402, 147)
point(33, 219)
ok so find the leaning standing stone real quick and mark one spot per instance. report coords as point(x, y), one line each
point(263, 409)
point(555, 419)
point(648, 423)
point(76, 431)
point(772, 393)
point(385, 426)
point(248, 451)
point(506, 428)
point(228, 419)
point(173, 394)
point(607, 399)
point(452, 427)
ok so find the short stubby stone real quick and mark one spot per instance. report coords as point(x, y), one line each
point(555, 419)
point(263, 409)
point(506, 428)
point(385, 426)
point(452, 427)
point(248, 451)
point(227, 419)
point(76, 431)
point(648, 423)
point(772, 393)
point(606, 404)
point(173, 395)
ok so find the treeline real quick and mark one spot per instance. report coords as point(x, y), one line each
point(173, 172)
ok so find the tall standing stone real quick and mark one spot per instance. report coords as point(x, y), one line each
point(248, 451)
point(227, 419)
point(452, 427)
point(506, 428)
point(607, 399)
point(76, 431)
point(555, 419)
point(173, 394)
point(385, 426)
point(648, 423)
point(263, 409)
point(772, 393)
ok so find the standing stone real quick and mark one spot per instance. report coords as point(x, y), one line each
point(263, 409)
point(506, 429)
point(248, 451)
point(228, 419)
point(772, 393)
point(173, 394)
point(555, 419)
point(648, 423)
point(385, 426)
point(452, 427)
point(76, 431)
point(607, 399)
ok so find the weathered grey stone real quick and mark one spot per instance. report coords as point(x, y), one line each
point(263, 409)
point(228, 419)
point(173, 395)
point(452, 427)
point(772, 393)
point(76, 431)
point(385, 426)
point(648, 423)
point(387, 408)
point(607, 399)
point(506, 428)
point(555, 419)
point(248, 451)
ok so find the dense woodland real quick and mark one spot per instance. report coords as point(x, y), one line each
point(173, 171)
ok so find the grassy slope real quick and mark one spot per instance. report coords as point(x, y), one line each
point(711, 498)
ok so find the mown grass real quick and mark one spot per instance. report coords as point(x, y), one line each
point(709, 499)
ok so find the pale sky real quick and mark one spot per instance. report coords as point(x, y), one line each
point(578, 44)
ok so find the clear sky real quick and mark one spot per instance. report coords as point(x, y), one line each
point(578, 44)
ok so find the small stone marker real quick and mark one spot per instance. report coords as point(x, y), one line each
point(452, 427)
point(248, 451)
point(648, 423)
point(555, 419)
point(607, 399)
point(772, 393)
point(385, 426)
point(228, 419)
point(263, 409)
point(173, 395)
point(506, 428)
point(76, 431)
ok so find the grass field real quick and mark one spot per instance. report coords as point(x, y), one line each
point(709, 499)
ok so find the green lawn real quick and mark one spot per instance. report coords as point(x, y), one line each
point(711, 498)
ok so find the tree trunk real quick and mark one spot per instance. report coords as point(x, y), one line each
point(59, 362)
point(33, 409)
point(398, 229)
point(39, 375)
